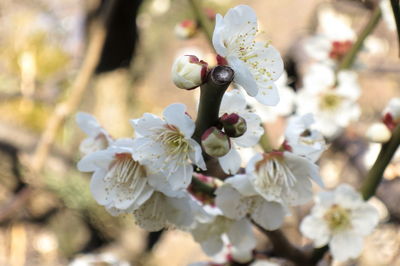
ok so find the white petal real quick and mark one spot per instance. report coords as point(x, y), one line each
point(230, 163)
point(181, 178)
point(347, 197)
point(179, 212)
point(145, 125)
point(241, 235)
point(268, 94)
point(196, 155)
point(243, 76)
point(315, 229)
point(88, 123)
point(364, 219)
point(93, 161)
point(346, 245)
point(218, 36)
point(175, 114)
point(268, 214)
point(231, 202)
point(212, 245)
point(233, 102)
point(99, 187)
point(242, 184)
point(160, 183)
point(253, 132)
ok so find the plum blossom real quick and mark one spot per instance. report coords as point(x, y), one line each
point(166, 146)
point(302, 140)
point(214, 233)
point(257, 64)
point(119, 183)
point(98, 139)
point(391, 113)
point(235, 102)
point(333, 105)
point(285, 106)
point(333, 40)
point(341, 219)
point(387, 14)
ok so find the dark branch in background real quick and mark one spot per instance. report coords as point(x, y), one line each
point(396, 14)
point(203, 21)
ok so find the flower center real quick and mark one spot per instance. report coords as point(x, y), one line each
point(174, 141)
point(330, 101)
point(273, 173)
point(125, 171)
point(337, 218)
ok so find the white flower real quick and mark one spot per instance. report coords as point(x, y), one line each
point(234, 102)
point(333, 40)
point(185, 29)
point(333, 106)
point(237, 198)
point(387, 14)
point(283, 177)
point(283, 108)
point(302, 140)
point(167, 146)
point(161, 211)
point(188, 72)
point(211, 234)
point(340, 218)
point(256, 64)
point(98, 139)
point(119, 183)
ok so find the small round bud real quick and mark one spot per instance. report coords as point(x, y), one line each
point(391, 114)
point(234, 125)
point(378, 132)
point(215, 142)
point(188, 72)
point(185, 29)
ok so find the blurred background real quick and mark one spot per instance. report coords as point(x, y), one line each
point(53, 63)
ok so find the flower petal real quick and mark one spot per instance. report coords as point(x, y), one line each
point(241, 235)
point(232, 204)
point(364, 219)
point(268, 94)
point(242, 184)
point(145, 125)
point(316, 229)
point(230, 163)
point(196, 156)
point(346, 245)
point(175, 114)
point(243, 76)
point(268, 214)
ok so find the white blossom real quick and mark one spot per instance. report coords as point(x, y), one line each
point(387, 14)
point(119, 183)
point(188, 72)
point(257, 64)
point(98, 139)
point(391, 113)
point(166, 145)
point(234, 102)
point(302, 140)
point(333, 106)
point(341, 219)
point(378, 132)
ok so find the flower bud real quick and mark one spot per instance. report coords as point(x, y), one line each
point(378, 132)
point(185, 29)
point(188, 72)
point(391, 114)
point(215, 142)
point(234, 125)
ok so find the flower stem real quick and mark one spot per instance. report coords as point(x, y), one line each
point(202, 19)
point(348, 60)
point(375, 174)
point(396, 13)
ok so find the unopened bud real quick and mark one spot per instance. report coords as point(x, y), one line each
point(378, 132)
point(215, 142)
point(234, 125)
point(188, 72)
point(185, 29)
point(391, 114)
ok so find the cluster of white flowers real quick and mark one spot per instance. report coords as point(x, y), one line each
point(151, 175)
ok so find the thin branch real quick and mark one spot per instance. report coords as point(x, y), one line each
point(64, 109)
point(396, 13)
point(350, 57)
point(202, 19)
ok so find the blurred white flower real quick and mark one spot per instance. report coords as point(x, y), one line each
point(211, 234)
point(235, 102)
point(119, 183)
point(185, 29)
point(256, 64)
point(166, 145)
point(387, 14)
point(98, 139)
point(341, 219)
point(333, 40)
point(332, 102)
point(98, 259)
point(188, 72)
point(283, 108)
point(237, 198)
point(302, 140)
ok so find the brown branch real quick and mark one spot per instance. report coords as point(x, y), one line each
point(64, 109)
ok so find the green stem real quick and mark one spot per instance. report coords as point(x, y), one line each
point(396, 13)
point(350, 57)
point(202, 19)
point(375, 174)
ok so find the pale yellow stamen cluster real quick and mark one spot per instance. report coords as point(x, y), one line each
point(330, 101)
point(338, 218)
